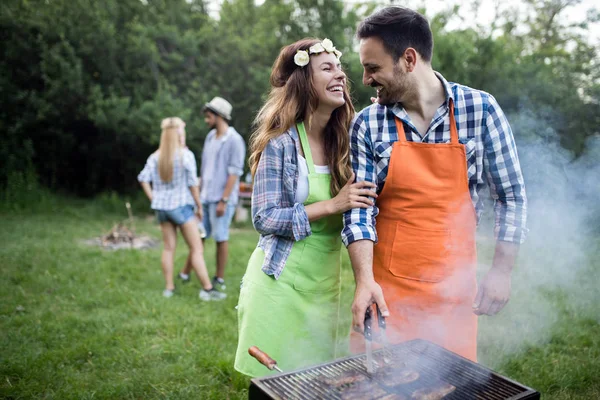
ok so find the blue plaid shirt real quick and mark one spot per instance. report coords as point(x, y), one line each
point(275, 214)
point(174, 194)
point(492, 159)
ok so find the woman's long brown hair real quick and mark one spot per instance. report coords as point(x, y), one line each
point(293, 99)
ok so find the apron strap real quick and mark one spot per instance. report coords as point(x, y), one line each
point(400, 129)
point(306, 147)
point(453, 130)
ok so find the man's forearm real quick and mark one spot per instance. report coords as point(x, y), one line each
point(231, 180)
point(361, 258)
point(505, 255)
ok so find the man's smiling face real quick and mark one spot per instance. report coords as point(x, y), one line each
point(382, 73)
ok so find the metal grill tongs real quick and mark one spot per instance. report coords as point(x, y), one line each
point(387, 353)
point(368, 340)
point(368, 332)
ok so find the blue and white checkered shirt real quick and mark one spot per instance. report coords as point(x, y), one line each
point(174, 194)
point(491, 157)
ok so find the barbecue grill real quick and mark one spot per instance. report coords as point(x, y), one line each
point(433, 364)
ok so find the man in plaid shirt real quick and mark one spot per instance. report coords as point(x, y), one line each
point(431, 147)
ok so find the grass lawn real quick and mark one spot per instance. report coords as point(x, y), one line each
point(79, 322)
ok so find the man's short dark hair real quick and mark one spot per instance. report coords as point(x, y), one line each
point(399, 28)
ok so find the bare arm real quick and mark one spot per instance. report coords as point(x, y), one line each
point(231, 180)
point(494, 288)
point(196, 195)
point(195, 190)
point(147, 189)
point(367, 290)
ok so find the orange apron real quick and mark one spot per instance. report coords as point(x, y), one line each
point(425, 260)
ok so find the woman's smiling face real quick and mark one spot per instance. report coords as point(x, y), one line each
point(328, 79)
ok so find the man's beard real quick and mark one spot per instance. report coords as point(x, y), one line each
point(395, 93)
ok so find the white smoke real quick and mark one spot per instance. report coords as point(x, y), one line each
point(555, 269)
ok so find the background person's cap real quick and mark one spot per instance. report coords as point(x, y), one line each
point(219, 106)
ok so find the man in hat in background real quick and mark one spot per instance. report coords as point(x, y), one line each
point(223, 157)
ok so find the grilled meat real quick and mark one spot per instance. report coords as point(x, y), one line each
point(435, 392)
point(363, 391)
point(390, 376)
point(345, 379)
point(392, 396)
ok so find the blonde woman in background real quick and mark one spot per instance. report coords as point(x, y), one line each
point(170, 181)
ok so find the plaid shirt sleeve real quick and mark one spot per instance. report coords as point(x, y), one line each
point(501, 165)
point(146, 174)
point(191, 169)
point(359, 223)
point(274, 211)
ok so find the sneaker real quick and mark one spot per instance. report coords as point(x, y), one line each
point(185, 278)
point(219, 283)
point(168, 293)
point(212, 295)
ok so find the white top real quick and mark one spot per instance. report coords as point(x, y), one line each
point(302, 189)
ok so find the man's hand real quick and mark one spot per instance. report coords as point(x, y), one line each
point(494, 288)
point(366, 294)
point(493, 292)
point(221, 208)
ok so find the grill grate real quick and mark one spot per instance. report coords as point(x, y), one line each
point(433, 363)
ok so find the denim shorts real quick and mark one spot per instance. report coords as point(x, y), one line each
point(218, 227)
point(178, 216)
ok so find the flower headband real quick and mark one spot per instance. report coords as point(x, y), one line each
point(302, 57)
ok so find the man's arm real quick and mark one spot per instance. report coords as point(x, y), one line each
point(359, 233)
point(507, 188)
point(367, 291)
point(235, 169)
point(231, 181)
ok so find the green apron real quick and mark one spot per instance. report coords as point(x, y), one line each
point(294, 319)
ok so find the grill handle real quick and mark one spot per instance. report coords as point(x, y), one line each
point(263, 358)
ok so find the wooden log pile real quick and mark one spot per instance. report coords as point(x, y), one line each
point(119, 234)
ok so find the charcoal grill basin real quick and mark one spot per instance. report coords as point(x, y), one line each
point(433, 363)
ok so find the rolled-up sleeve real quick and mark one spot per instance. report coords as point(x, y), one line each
point(504, 175)
point(359, 223)
point(270, 215)
point(146, 174)
point(191, 169)
point(235, 166)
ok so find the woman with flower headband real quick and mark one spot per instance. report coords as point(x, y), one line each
point(290, 293)
point(170, 181)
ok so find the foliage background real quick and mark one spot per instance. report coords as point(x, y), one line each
point(85, 83)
